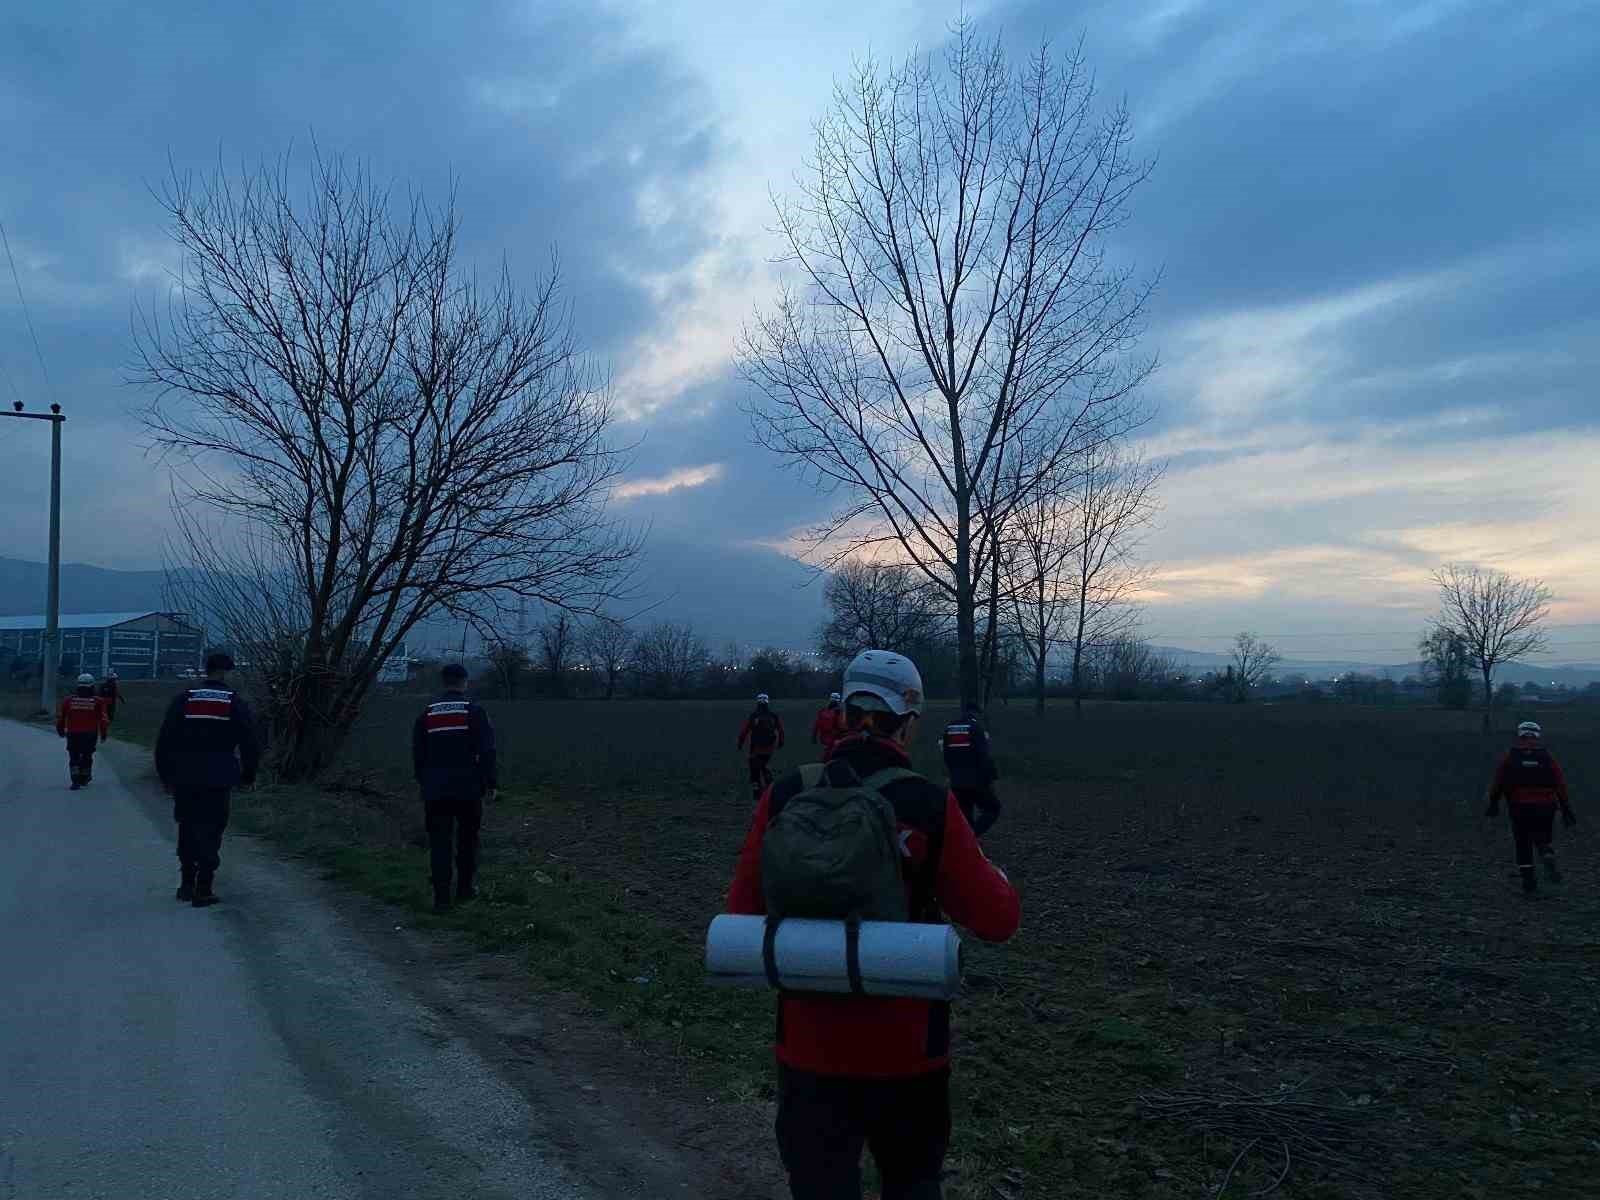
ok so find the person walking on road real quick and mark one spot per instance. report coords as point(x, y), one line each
point(763, 729)
point(969, 761)
point(453, 756)
point(873, 1072)
point(82, 719)
point(110, 694)
point(206, 746)
point(1531, 782)
point(829, 726)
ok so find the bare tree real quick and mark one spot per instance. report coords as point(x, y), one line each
point(366, 436)
point(1099, 523)
point(882, 606)
point(1498, 617)
point(958, 306)
point(1253, 660)
point(509, 661)
point(608, 646)
point(669, 659)
point(557, 643)
point(1446, 664)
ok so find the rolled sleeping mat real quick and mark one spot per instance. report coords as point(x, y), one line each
point(881, 958)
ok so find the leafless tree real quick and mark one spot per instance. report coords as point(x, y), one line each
point(608, 646)
point(957, 307)
point(1253, 660)
point(882, 606)
point(1128, 668)
point(669, 659)
point(366, 436)
point(1080, 555)
point(510, 662)
point(1498, 617)
point(557, 643)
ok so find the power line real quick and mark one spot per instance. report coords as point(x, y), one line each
point(26, 315)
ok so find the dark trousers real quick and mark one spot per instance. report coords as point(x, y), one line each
point(825, 1121)
point(202, 815)
point(980, 805)
point(80, 755)
point(456, 819)
point(760, 772)
point(1532, 826)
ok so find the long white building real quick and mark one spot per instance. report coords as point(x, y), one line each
point(137, 645)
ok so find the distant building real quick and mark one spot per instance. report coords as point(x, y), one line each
point(137, 645)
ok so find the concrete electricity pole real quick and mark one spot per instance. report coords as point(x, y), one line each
point(51, 650)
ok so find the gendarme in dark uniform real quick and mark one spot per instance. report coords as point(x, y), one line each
point(452, 752)
point(969, 759)
point(206, 746)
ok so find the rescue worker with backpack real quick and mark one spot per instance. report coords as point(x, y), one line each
point(207, 744)
point(829, 726)
point(453, 757)
point(111, 695)
point(969, 762)
point(1531, 781)
point(82, 719)
point(763, 729)
point(864, 837)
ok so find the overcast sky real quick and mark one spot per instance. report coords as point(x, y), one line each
point(1379, 322)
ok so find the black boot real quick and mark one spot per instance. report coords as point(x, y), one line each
point(204, 897)
point(186, 887)
point(75, 786)
point(441, 897)
point(465, 891)
point(1530, 881)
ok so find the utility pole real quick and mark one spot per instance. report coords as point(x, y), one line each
point(51, 650)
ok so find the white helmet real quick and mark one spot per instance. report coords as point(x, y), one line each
point(1530, 729)
point(763, 698)
point(86, 678)
point(891, 678)
point(834, 697)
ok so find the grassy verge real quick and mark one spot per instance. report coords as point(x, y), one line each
point(588, 936)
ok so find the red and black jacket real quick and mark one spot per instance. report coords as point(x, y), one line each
point(207, 739)
point(946, 874)
point(452, 749)
point(1528, 775)
point(764, 731)
point(82, 713)
point(829, 727)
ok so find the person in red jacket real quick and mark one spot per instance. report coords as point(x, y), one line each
point(1531, 781)
point(873, 1072)
point(829, 726)
point(763, 729)
point(82, 720)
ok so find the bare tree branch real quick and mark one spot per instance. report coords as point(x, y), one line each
point(960, 333)
point(381, 438)
point(1497, 617)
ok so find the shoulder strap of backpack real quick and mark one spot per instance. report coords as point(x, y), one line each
point(879, 780)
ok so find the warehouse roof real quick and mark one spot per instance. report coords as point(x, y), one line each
point(81, 620)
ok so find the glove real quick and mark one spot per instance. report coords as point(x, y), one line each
point(492, 795)
point(1569, 818)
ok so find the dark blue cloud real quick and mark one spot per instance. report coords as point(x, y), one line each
point(559, 132)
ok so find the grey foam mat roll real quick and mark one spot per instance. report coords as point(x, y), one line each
point(897, 958)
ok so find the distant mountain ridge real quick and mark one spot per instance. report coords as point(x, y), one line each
point(1575, 675)
point(747, 595)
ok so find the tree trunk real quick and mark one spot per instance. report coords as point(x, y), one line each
point(1488, 699)
point(1038, 683)
point(1077, 677)
point(966, 614)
